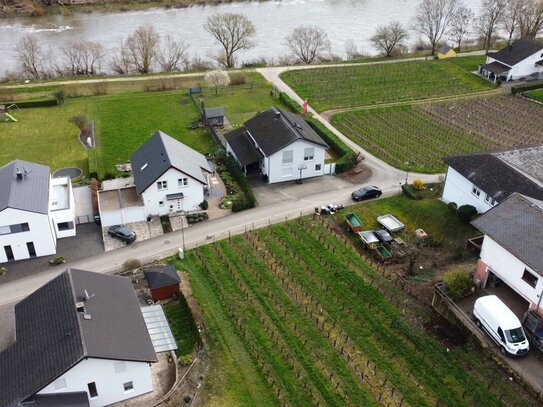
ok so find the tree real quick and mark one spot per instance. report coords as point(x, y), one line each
point(172, 55)
point(217, 78)
point(433, 18)
point(120, 62)
point(351, 49)
point(488, 21)
point(307, 42)
point(142, 48)
point(30, 57)
point(82, 58)
point(388, 37)
point(460, 25)
point(234, 32)
point(530, 18)
point(510, 19)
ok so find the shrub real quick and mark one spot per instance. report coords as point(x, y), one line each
point(290, 103)
point(60, 96)
point(204, 205)
point(57, 260)
point(409, 192)
point(418, 184)
point(131, 264)
point(346, 162)
point(452, 206)
point(466, 212)
point(185, 360)
point(79, 120)
point(3, 271)
point(458, 283)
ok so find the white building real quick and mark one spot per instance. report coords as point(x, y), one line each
point(279, 145)
point(511, 249)
point(169, 175)
point(81, 340)
point(522, 59)
point(485, 179)
point(35, 211)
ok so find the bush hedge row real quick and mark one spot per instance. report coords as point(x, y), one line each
point(410, 192)
point(33, 103)
point(526, 88)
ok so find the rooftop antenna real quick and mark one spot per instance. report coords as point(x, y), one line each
point(87, 296)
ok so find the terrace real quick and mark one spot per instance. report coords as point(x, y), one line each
point(60, 194)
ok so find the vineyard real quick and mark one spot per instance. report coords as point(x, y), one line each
point(415, 138)
point(351, 86)
point(300, 318)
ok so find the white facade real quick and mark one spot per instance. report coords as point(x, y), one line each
point(510, 270)
point(62, 207)
point(20, 231)
point(285, 164)
point(462, 191)
point(110, 378)
point(526, 67)
point(123, 216)
point(171, 182)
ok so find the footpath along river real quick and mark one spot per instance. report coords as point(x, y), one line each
point(341, 19)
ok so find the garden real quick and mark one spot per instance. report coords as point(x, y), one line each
point(351, 86)
point(295, 314)
point(416, 137)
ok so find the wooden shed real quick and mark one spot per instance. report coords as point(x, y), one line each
point(446, 52)
point(163, 282)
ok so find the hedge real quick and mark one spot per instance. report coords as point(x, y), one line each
point(249, 200)
point(526, 88)
point(410, 192)
point(290, 103)
point(33, 103)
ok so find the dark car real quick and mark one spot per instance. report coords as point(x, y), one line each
point(383, 236)
point(122, 233)
point(368, 192)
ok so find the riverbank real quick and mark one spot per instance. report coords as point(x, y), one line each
point(22, 8)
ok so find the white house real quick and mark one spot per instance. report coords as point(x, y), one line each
point(523, 58)
point(486, 178)
point(169, 175)
point(512, 247)
point(278, 144)
point(35, 211)
point(81, 340)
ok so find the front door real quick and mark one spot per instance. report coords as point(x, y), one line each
point(9, 253)
point(31, 249)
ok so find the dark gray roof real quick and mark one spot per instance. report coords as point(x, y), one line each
point(211, 112)
point(242, 146)
point(516, 52)
point(496, 67)
point(274, 129)
point(161, 276)
point(527, 160)
point(75, 399)
point(493, 175)
point(444, 49)
point(516, 224)
point(162, 152)
point(31, 193)
point(52, 336)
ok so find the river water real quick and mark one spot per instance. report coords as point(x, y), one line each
point(341, 19)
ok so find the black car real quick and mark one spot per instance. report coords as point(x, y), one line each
point(122, 233)
point(368, 192)
point(383, 236)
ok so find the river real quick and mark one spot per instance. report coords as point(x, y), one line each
point(341, 19)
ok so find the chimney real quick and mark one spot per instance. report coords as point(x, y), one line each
point(19, 174)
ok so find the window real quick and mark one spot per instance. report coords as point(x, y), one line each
point(17, 228)
point(59, 384)
point(317, 167)
point(476, 191)
point(160, 203)
point(287, 157)
point(93, 392)
point(182, 182)
point(529, 278)
point(128, 386)
point(309, 153)
point(489, 200)
point(65, 226)
point(502, 336)
point(120, 367)
point(162, 185)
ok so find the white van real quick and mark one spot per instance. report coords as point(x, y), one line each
point(501, 324)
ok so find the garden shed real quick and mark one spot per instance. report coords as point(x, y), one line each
point(163, 282)
point(214, 116)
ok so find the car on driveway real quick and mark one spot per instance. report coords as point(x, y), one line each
point(122, 233)
point(368, 192)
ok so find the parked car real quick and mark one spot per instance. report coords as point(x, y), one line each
point(383, 236)
point(533, 327)
point(122, 233)
point(368, 192)
point(499, 322)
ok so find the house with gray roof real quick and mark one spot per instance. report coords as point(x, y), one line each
point(484, 179)
point(169, 175)
point(35, 210)
point(521, 60)
point(512, 249)
point(279, 145)
point(80, 340)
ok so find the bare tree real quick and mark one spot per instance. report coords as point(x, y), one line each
point(142, 47)
point(530, 18)
point(30, 57)
point(82, 58)
point(172, 55)
point(460, 25)
point(72, 58)
point(93, 54)
point(351, 49)
point(233, 31)
point(120, 61)
point(307, 42)
point(510, 20)
point(489, 19)
point(217, 78)
point(388, 37)
point(433, 18)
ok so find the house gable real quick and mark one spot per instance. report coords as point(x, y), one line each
point(517, 52)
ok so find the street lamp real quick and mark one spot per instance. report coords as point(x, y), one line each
point(407, 163)
point(183, 223)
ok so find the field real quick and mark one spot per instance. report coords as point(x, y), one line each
point(295, 316)
point(350, 86)
point(415, 138)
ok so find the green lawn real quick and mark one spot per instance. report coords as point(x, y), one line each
point(536, 94)
point(350, 86)
point(182, 324)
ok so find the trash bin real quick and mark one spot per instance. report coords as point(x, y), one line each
point(181, 253)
